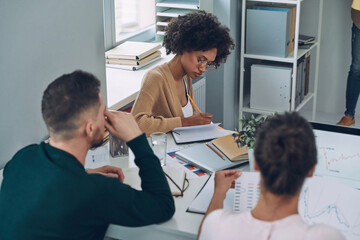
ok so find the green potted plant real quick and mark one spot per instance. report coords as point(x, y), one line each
point(247, 136)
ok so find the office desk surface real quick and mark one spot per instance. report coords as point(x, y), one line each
point(183, 225)
point(122, 86)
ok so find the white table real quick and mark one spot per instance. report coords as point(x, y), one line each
point(122, 86)
point(182, 225)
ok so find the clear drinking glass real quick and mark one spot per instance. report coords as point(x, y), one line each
point(158, 144)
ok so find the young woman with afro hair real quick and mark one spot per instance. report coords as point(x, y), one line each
point(200, 44)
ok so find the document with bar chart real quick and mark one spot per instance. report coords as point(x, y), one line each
point(247, 191)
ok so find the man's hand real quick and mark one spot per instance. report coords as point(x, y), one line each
point(108, 171)
point(197, 119)
point(122, 125)
point(224, 180)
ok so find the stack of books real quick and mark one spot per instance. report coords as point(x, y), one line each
point(132, 55)
point(306, 41)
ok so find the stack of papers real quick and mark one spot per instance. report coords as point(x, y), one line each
point(132, 55)
point(197, 133)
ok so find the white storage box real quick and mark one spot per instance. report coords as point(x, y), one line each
point(270, 87)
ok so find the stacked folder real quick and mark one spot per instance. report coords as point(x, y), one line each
point(133, 55)
point(306, 41)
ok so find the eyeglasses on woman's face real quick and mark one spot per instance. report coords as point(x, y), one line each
point(204, 64)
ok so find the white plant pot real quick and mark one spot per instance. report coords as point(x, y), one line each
point(251, 159)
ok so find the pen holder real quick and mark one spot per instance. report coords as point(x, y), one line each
point(118, 147)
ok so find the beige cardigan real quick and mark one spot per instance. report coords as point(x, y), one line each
point(157, 107)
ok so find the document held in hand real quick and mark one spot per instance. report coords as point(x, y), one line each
point(229, 148)
point(197, 133)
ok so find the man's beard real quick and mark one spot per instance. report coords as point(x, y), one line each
point(98, 140)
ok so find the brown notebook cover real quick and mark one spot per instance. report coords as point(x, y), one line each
point(229, 148)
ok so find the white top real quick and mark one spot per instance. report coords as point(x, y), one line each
point(187, 109)
point(223, 224)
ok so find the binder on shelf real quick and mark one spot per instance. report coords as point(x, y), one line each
point(307, 73)
point(133, 50)
point(270, 87)
point(292, 21)
point(299, 81)
point(133, 62)
point(267, 32)
point(229, 148)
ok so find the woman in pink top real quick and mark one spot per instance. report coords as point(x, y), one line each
point(285, 154)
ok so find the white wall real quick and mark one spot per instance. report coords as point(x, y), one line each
point(222, 84)
point(39, 41)
point(335, 56)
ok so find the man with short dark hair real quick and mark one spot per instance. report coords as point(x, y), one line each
point(46, 192)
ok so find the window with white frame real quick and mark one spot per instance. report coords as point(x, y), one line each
point(128, 20)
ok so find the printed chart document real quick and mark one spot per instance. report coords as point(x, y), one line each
point(322, 200)
point(247, 191)
point(338, 156)
point(197, 133)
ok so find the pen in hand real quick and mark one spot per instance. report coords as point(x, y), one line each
point(215, 151)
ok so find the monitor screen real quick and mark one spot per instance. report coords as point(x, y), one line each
point(338, 153)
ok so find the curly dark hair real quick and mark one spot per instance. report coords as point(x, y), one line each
point(198, 31)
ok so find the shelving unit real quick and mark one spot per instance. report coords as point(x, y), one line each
point(246, 60)
point(166, 10)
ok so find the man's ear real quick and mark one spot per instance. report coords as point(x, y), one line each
point(89, 128)
point(311, 172)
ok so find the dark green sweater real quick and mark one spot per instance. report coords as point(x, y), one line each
point(46, 194)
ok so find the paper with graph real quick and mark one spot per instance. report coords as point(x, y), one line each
point(338, 157)
point(321, 201)
point(328, 202)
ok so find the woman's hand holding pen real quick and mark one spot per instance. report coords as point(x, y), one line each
point(197, 119)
